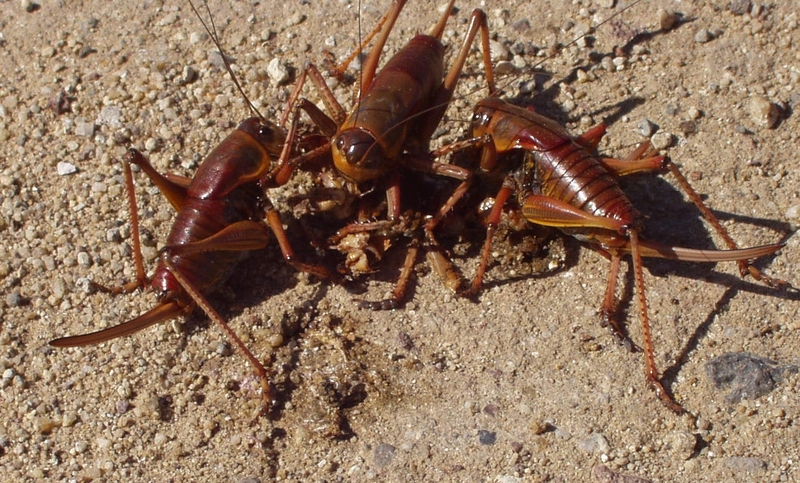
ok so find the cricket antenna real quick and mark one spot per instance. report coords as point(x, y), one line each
point(212, 32)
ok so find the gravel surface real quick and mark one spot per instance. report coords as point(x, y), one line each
point(524, 385)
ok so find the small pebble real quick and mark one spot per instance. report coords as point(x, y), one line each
point(521, 26)
point(222, 100)
point(84, 129)
point(10, 102)
point(168, 19)
point(681, 443)
point(702, 36)
point(793, 213)
point(110, 116)
point(745, 464)
point(8, 375)
point(69, 419)
point(189, 75)
point(487, 438)
point(151, 144)
point(739, 7)
point(196, 37)
point(64, 168)
point(13, 299)
point(44, 425)
point(763, 112)
point(113, 235)
point(103, 443)
point(384, 454)
point(499, 51)
point(28, 5)
point(748, 375)
point(666, 19)
point(223, 349)
point(122, 406)
point(596, 443)
point(694, 113)
point(504, 68)
point(646, 128)
point(539, 427)
point(84, 260)
point(59, 288)
point(277, 71)
point(661, 140)
point(86, 51)
point(275, 340)
point(295, 19)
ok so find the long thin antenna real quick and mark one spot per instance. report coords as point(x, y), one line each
point(212, 32)
point(502, 86)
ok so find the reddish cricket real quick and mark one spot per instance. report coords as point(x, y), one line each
point(221, 215)
point(390, 127)
point(561, 183)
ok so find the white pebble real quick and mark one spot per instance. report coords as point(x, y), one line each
point(277, 71)
point(595, 443)
point(499, 51)
point(793, 213)
point(64, 168)
point(151, 144)
point(694, 113)
point(103, 443)
point(661, 140)
point(84, 129)
point(84, 260)
point(646, 128)
point(110, 116)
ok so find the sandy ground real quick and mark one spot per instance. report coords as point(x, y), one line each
point(524, 385)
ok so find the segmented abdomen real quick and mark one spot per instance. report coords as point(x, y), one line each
point(571, 174)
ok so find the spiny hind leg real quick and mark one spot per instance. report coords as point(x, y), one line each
point(652, 375)
point(745, 267)
point(641, 160)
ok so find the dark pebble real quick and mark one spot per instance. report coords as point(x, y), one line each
point(748, 375)
point(739, 7)
point(487, 437)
